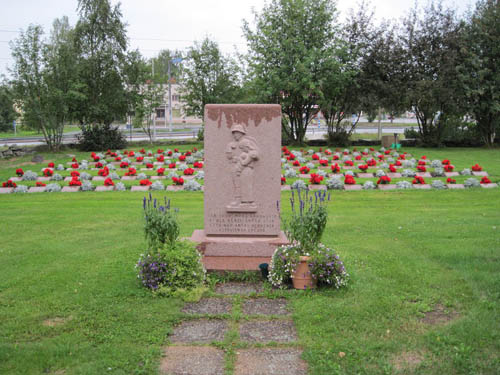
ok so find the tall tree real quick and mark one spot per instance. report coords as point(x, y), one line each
point(44, 79)
point(208, 77)
point(479, 70)
point(431, 44)
point(160, 64)
point(101, 42)
point(7, 112)
point(287, 49)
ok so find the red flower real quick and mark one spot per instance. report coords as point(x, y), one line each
point(335, 168)
point(198, 164)
point(384, 180)
point(363, 167)
point(371, 162)
point(75, 182)
point(131, 153)
point(182, 157)
point(160, 158)
point(118, 158)
point(364, 153)
point(296, 163)
point(477, 168)
point(149, 165)
point(346, 152)
point(335, 157)
point(75, 174)
point(290, 157)
point(449, 168)
point(188, 171)
point(387, 152)
point(169, 153)
point(422, 162)
point(74, 160)
point(160, 171)
point(142, 151)
point(327, 152)
point(315, 179)
point(323, 162)
point(398, 163)
point(98, 165)
point(159, 151)
point(96, 158)
point(357, 157)
point(187, 153)
point(47, 172)
point(19, 172)
point(392, 169)
point(9, 184)
point(485, 180)
point(145, 182)
point(284, 149)
point(402, 157)
point(445, 162)
point(176, 150)
point(418, 180)
point(171, 165)
point(381, 157)
point(421, 168)
point(304, 170)
point(139, 159)
point(108, 152)
point(109, 182)
point(450, 180)
point(195, 149)
point(131, 172)
point(315, 157)
point(424, 157)
point(39, 183)
point(103, 172)
point(123, 164)
point(321, 149)
point(349, 163)
point(349, 180)
point(74, 165)
point(113, 154)
point(283, 180)
point(51, 165)
point(178, 180)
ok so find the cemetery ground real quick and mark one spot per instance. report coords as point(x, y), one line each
point(424, 294)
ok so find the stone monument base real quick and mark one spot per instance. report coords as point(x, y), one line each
point(236, 253)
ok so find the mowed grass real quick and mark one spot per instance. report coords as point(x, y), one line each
point(70, 301)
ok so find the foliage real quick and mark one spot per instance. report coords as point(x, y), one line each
point(161, 227)
point(43, 79)
point(7, 112)
point(171, 269)
point(478, 69)
point(150, 97)
point(160, 63)
point(101, 42)
point(100, 138)
point(308, 220)
point(287, 49)
point(208, 77)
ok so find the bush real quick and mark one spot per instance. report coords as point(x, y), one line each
point(411, 133)
point(171, 269)
point(340, 138)
point(101, 138)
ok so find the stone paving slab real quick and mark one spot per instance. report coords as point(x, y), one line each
point(200, 330)
point(192, 360)
point(394, 175)
point(489, 186)
point(158, 177)
point(265, 306)
point(317, 187)
point(237, 288)
point(365, 175)
point(98, 178)
point(104, 188)
point(422, 186)
point(37, 189)
point(16, 179)
point(451, 174)
point(128, 178)
point(424, 174)
point(269, 361)
point(266, 331)
point(480, 173)
point(43, 179)
point(304, 175)
point(70, 189)
point(6, 190)
point(209, 306)
point(286, 187)
point(455, 186)
point(353, 187)
point(175, 187)
point(139, 188)
point(387, 186)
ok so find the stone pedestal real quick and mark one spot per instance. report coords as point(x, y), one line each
point(242, 186)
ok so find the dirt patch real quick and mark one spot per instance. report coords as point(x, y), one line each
point(264, 306)
point(209, 306)
point(238, 288)
point(266, 331)
point(54, 322)
point(407, 360)
point(192, 360)
point(201, 330)
point(269, 361)
point(440, 315)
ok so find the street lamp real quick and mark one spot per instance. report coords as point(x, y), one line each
point(175, 61)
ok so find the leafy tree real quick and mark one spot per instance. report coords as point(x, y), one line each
point(160, 63)
point(430, 45)
point(101, 43)
point(151, 97)
point(287, 50)
point(43, 79)
point(7, 111)
point(208, 77)
point(479, 70)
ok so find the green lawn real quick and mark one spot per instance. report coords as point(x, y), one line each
point(70, 300)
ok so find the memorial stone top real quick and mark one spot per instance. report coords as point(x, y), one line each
point(242, 169)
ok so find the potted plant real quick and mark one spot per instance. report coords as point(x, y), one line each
point(305, 260)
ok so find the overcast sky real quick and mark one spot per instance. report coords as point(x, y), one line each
point(158, 24)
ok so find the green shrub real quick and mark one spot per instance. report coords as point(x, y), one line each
point(161, 227)
point(101, 138)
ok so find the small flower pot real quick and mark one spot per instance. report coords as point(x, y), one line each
point(302, 278)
